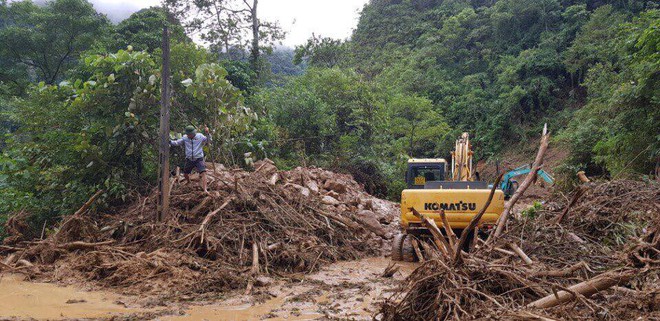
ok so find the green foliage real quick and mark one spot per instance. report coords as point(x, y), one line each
point(219, 104)
point(281, 62)
point(144, 30)
point(533, 210)
point(99, 131)
point(500, 69)
point(320, 52)
point(48, 39)
point(337, 118)
point(239, 74)
point(618, 128)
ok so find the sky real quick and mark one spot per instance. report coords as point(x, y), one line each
point(299, 18)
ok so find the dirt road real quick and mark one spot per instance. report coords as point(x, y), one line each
point(349, 290)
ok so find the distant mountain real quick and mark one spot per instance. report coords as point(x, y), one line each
point(281, 61)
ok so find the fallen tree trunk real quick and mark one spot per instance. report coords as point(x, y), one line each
point(79, 245)
point(586, 288)
point(521, 254)
point(88, 203)
point(531, 177)
point(580, 191)
point(450, 233)
point(440, 241)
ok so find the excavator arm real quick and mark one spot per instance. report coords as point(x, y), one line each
point(508, 185)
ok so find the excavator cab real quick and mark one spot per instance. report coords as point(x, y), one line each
point(422, 171)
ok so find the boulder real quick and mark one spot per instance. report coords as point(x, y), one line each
point(333, 185)
point(333, 194)
point(329, 200)
point(369, 219)
point(313, 186)
point(265, 167)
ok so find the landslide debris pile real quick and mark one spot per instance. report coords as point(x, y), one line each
point(610, 240)
point(264, 222)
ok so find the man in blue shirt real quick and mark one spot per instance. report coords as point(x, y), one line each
point(193, 143)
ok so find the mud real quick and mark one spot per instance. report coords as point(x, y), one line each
point(344, 290)
point(20, 299)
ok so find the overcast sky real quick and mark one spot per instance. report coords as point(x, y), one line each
point(299, 18)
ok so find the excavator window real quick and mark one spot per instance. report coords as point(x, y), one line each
point(420, 174)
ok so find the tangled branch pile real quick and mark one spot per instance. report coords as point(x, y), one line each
point(252, 223)
point(602, 262)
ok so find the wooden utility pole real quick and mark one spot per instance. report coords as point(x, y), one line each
point(164, 136)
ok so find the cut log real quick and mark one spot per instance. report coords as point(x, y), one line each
point(25, 263)
point(255, 259)
point(583, 177)
point(201, 205)
point(576, 238)
point(503, 251)
point(254, 270)
point(586, 288)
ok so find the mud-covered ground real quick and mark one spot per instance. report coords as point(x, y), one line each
point(348, 290)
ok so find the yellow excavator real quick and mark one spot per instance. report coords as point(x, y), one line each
point(433, 187)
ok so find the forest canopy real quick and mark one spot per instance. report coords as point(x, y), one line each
point(79, 95)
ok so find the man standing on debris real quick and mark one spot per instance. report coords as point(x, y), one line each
point(193, 142)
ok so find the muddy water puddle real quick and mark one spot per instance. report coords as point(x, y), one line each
point(346, 290)
point(20, 299)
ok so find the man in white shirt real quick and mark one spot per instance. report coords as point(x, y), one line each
point(193, 143)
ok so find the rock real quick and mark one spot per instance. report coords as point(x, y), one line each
point(265, 166)
point(369, 204)
point(273, 179)
point(263, 281)
point(369, 218)
point(329, 200)
point(305, 191)
point(333, 194)
point(366, 213)
point(335, 186)
point(313, 186)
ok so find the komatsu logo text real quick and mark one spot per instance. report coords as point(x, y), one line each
point(460, 206)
